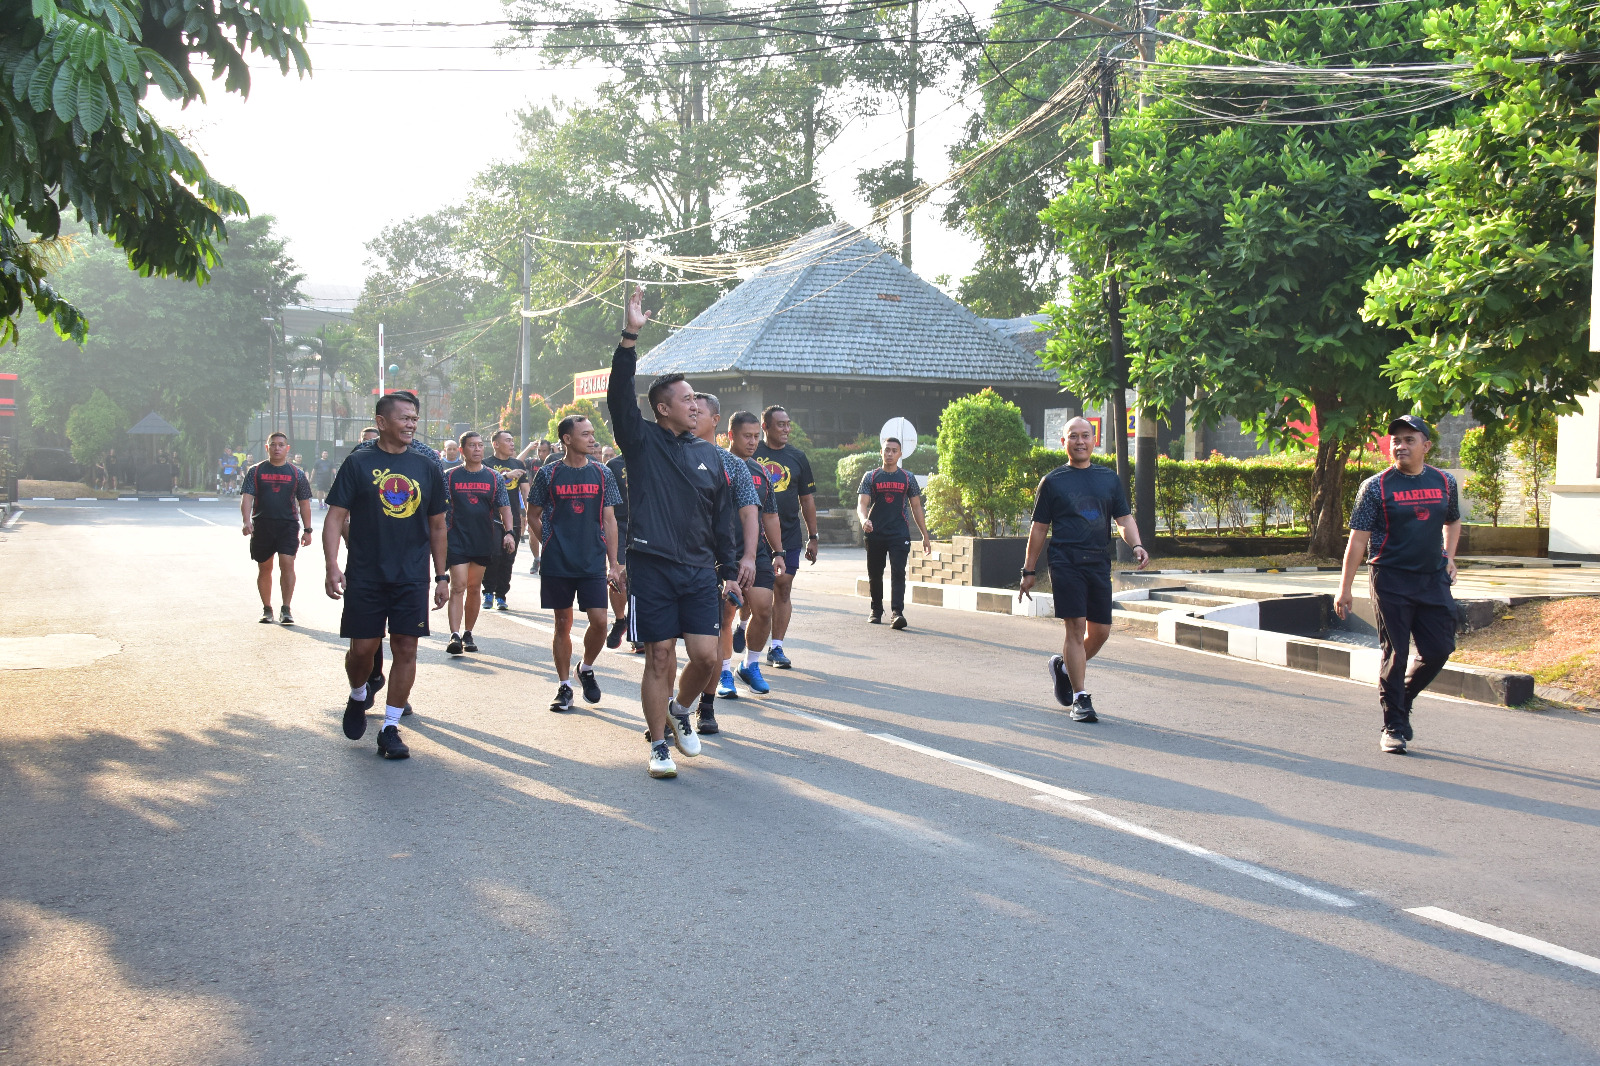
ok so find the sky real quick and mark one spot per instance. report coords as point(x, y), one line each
point(395, 123)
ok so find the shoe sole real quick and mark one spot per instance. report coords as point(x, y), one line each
point(397, 757)
point(287, 622)
point(779, 666)
point(727, 694)
point(898, 623)
point(1050, 668)
point(268, 621)
point(1090, 718)
point(661, 775)
point(709, 731)
point(561, 708)
point(753, 689)
point(677, 739)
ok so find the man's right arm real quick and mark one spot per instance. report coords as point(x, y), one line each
point(627, 423)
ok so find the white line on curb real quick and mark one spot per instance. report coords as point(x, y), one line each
point(1506, 936)
point(13, 519)
point(197, 518)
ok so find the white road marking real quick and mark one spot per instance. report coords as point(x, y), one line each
point(983, 768)
point(168, 499)
point(207, 499)
point(523, 622)
point(1506, 936)
point(15, 515)
point(42, 499)
point(80, 499)
point(127, 499)
point(816, 718)
point(197, 518)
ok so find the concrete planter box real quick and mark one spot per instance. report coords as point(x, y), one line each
point(1225, 545)
point(1504, 540)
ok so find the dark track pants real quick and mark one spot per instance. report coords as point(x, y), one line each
point(497, 575)
point(895, 552)
point(1410, 607)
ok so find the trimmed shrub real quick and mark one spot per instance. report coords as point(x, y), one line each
point(1535, 449)
point(1174, 492)
point(848, 472)
point(1216, 483)
point(947, 516)
point(982, 440)
point(588, 409)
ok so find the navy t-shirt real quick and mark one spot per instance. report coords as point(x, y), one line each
point(1406, 515)
point(573, 519)
point(515, 473)
point(619, 470)
point(476, 497)
point(276, 488)
point(891, 496)
point(768, 502)
point(1079, 505)
point(390, 499)
point(790, 472)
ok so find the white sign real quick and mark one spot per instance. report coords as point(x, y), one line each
point(1055, 426)
point(902, 430)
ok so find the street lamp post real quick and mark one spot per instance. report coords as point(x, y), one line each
point(272, 373)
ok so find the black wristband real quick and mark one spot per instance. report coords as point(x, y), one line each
point(629, 336)
point(440, 577)
point(1029, 573)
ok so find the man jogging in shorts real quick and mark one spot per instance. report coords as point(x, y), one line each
point(882, 500)
point(395, 502)
point(1075, 506)
point(572, 511)
point(796, 491)
point(497, 578)
point(480, 524)
point(273, 490)
point(744, 436)
point(681, 512)
point(1407, 523)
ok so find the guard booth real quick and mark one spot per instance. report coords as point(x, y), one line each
point(155, 469)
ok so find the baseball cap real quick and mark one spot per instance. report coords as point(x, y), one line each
point(1411, 422)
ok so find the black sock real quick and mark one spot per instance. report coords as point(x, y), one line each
point(707, 700)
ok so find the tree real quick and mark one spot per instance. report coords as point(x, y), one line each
point(1483, 452)
point(588, 409)
point(74, 133)
point(1496, 307)
point(982, 438)
point(1239, 247)
point(1534, 446)
point(95, 426)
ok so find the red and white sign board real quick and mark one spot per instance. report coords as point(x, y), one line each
point(590, 385)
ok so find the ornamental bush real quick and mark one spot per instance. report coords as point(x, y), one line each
point(982, 442)
point(1483, 453)
point(588, 409)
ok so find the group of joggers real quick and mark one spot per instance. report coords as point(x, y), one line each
point(689, 541)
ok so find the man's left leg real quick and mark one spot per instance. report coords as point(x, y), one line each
point(474, 592)
point(402, 672)
point(1433, 630)
point(286, 586)
point(720, 683)
point(899, 554)
point(594, 639)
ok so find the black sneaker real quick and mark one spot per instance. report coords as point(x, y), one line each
point(1405, 728)
point(708, 721)
point(738, 639)
point(407, 710)
point(776, 657)
point(619, 627)
point(355, 716)
point(898, 621)
point(375, 684)
point(266, 618)
point(467, 643)
point(563, 700)
point(638, 648)
point(390, 746)
point(590, 685)
point(285, 617)
point(1062, 683)
point(1083, 709)
point(876, 617)
point(454, 647)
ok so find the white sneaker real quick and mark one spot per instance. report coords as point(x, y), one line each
point(661, 764)
point(1392, 743)
point(681, 729)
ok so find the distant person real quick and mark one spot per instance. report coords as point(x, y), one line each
point(479, 519)
point(1075, 506)
point(744, 436)
point(1407, 524)
point(394, 500)
point(451, 456)
point(619, 588)
point(536, 455)
point(322, 478)
point(882, 500)
point(681, 510)
point(273, 490)
point(607, 453)
point(796, 490)
point(227, 473)
point(572, 510)
point(497, 578)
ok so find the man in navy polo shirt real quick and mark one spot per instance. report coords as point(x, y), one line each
point(273, 490)
point(480, 526)
point(1406, 523)
point(1075, 507)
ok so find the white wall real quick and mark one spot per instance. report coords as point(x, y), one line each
point(1575, 497)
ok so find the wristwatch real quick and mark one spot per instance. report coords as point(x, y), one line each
point(1029, 573)
point(440, 577)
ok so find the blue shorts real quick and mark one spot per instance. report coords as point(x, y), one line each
point(368, 609)
point(791, 560)
point(668, 600)
point(556, 593)
point(1082, 590)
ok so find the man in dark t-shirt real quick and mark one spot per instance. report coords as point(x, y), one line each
point(536, 455)
point(744, 436)
point(273, 490)
point(619, 588)
point(796, 492)
point(882, 500)
point(480, 526)
point(572, 510)
point(1407, 523)
point(394, 501)
point(497, 578)
point(1075, 506)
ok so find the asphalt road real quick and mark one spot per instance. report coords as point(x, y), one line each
point(197, 867)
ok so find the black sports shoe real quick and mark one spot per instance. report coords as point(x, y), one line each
point(390, 746)
point(454, 647)
point(590, 685)
point(266, 618)
point(1058, 677)
point(876, 617)
point(1083, 709)
point(375, 684)
point(708, 721)
point(467, 643)
point(898, 622)
point(738, 639)
point(563, 700)
point(619, 627)
point(355, 716)
point(285, 617)
point(407, 710)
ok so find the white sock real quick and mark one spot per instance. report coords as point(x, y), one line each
point(727, 666)
point(1075, 695)
point(359, 693)
point(391, 716)
point(752, 656)
point(565, 681)
point(586, 668)
point(776, 643)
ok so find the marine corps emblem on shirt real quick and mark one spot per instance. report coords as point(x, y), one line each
point(577, 508)
point(1421, 513)
point(777, 473)
point(400, 495)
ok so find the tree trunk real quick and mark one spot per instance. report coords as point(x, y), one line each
point(915, 75)
point(1327, 498)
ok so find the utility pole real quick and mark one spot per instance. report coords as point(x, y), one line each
point(1144, 456)
point(380, 360)
point(914, 75)
point(527, 340)
point(1113, 299)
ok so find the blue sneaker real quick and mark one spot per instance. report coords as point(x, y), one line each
point(488, 602)
point(775, 657)
point(725, 689)
point(738, 639)
point(750, 674)
point(500, 604)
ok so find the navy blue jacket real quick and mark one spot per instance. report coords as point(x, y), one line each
point(680, 504)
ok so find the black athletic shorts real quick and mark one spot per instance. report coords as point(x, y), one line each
point(1082, 586)
point(271, 538)
point(369, 608)
point(765, 578)
point(452, 559)
point(556, 593)
point(667, 600)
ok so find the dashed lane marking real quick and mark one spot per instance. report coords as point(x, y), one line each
point(1506, 936)
point(197, 518)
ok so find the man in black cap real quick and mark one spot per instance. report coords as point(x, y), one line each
point(1406, 522)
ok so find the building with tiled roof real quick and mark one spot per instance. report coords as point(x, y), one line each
point(845, 337)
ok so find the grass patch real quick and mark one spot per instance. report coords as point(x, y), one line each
point(1554, 640)
point(1218, 562)
point(60, 490)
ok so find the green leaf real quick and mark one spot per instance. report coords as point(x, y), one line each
point(64, 93)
